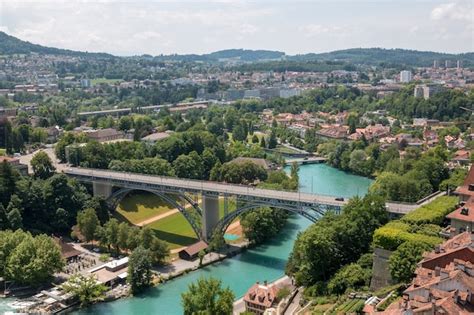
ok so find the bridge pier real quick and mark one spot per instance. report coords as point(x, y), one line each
point(102, 189)
point(210, 215)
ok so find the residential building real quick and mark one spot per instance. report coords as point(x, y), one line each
point(111, 273)
point(466, 190)
point(462, 219)
point(333, 132)
point(444, 282)
point(427, 90)
point(405, 76)
point(260, 298)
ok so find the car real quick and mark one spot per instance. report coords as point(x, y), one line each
point(340, 199)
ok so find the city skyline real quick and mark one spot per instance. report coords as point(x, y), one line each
point(183, 27)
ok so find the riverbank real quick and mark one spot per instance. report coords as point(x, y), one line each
point(240, 272)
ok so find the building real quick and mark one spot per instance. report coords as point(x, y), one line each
point(192, 252)
point(260, 298)
point(154, 137)
point(333, 132)
point(435, 64)
point(427, 90)
point(68, 252)
point(103, 135)
point(405, 76)
point(111, 273)
point(444, 282)
point(15, 163)
point(466, 191)
point(265, 164)
point(462, 219)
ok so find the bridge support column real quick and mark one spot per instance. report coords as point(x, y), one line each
point(102, 189)
point(226, 205)
point(210, 215)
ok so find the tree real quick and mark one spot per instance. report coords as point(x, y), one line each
point(262, 143)
point(14, 218)
point(4, 222)
point(111, 230)
point(88, 222)
point(255, 139)
point(351, 276)
point(34, 260)
point(238, 133)
point(272, 142)
point(207, 297)
point(403, 260)
point(125, 123)
point(139, 270)
point(86, 288)
point(201, 255)
point(159, 250)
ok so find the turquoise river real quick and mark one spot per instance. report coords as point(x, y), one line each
point(265, 262)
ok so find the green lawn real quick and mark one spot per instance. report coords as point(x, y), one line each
point(104, 80)
point(3, 152)
point(174, 230)
point(141, 206)
point(283, 149)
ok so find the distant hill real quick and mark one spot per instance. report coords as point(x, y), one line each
point(375, 56)
point(237, 54)
point(12, 45)
point(365, 56)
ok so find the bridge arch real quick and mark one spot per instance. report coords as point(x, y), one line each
point(117, 196)
point(313, 215)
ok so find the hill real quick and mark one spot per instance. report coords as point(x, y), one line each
point(11, 45)
point(375, 56)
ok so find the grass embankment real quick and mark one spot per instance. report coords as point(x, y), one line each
point(139, 207)
point(173, 229)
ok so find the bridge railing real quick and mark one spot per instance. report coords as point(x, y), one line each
point(193, 184)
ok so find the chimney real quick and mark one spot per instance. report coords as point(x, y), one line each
point(437, 249)
point(437, 271)
point(265, 283)
point(471, 187)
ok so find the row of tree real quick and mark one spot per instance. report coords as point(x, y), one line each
point(120, 237)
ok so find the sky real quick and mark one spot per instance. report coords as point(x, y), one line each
point(194, 26)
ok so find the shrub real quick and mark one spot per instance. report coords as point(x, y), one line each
point(432, 213)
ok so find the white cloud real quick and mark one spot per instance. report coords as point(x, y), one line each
point(461, 11)
point(313, 30)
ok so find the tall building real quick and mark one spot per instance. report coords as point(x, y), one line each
point(459, 64)
point(436, 64)
point(405, 76)
point(447, 64)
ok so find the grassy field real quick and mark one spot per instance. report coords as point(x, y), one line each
point(283, 149)
point(141, 206)
point(174, 229)
point(104, 80)
point(3, 152)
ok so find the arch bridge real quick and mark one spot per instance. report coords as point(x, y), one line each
point(204, 219)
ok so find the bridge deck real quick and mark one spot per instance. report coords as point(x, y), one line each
point(138, 181)
point(133, 179)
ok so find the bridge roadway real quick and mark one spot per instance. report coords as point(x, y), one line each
point(139, 181)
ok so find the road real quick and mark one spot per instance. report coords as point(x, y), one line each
point(26, 159)
point(158, 182)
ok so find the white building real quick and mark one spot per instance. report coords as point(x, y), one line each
point(405, 76)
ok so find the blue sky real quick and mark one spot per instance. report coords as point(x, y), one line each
point(187, 26)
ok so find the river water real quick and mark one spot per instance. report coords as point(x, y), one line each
point(265, 262)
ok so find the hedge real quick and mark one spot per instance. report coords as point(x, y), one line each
point(390, 238)
point(432, 213)
point(418, 225)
